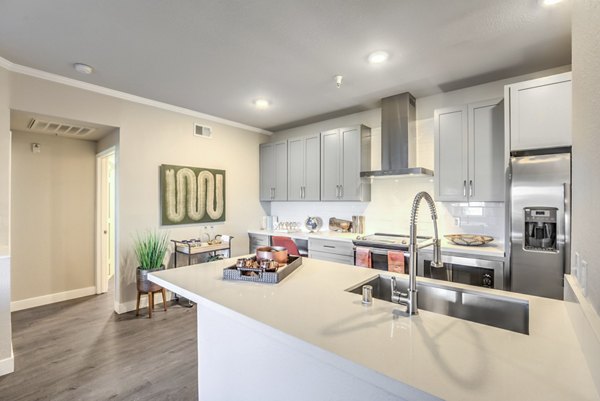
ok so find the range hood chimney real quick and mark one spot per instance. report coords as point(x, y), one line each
point(398, 138)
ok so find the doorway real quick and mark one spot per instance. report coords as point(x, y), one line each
point(106, 219)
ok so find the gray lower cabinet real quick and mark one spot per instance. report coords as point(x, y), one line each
point(332, 251)
point(304, 168)
point(258, 240)
point(345, 152)
point(469, 152)
point(540, 112)
point(273, 171)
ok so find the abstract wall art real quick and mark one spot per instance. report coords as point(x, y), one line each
point(191, 195)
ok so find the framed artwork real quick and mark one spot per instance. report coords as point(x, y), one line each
point(191, 195)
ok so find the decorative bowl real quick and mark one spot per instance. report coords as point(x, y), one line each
point(469, 239)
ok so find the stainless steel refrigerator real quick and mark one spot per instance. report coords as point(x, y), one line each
point(540, 223)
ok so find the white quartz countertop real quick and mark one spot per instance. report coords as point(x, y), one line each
point(447, 357)
point(329, 235)
point(494, 249)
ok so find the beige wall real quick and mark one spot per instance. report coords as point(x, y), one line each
point(5, 324)
point(4, 156)
point(53, 215)
point(586, 141)
point(148, 137)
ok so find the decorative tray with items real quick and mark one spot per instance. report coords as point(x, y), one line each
point(469, 239)
point(270, 265)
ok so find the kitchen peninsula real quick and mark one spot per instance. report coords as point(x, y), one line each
point(307, 338)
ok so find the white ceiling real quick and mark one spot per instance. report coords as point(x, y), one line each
point(216, 57)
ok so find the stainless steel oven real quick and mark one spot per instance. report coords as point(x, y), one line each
point(457, 269)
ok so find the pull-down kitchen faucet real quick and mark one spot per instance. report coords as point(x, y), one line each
point(410, 297)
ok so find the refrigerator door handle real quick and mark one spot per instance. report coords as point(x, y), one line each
point(567, 214)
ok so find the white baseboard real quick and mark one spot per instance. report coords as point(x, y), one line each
point(130, 305)
point(7, 365)
point(51, 298)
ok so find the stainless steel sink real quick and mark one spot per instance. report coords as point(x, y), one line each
point(492, 310)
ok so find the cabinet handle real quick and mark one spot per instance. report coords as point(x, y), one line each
point(464, 188)
point(470, 187)
point(337, 191)
point(272, 193)
point(303, 192)
point(341, 191)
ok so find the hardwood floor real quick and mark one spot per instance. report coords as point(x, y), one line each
point(82, 350)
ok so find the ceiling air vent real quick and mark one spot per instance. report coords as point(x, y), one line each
point(50, 127)
point(202, 130)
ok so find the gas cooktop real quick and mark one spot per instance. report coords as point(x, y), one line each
point(388, 241)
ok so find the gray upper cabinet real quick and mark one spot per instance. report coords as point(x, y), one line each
point(451, 164)
point(304, 168)
point(273, 171)
point(486, 151)
point(540, 113)
point(469, 152)
point(345, 152)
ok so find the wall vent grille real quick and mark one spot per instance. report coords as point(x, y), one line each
point(51, 127)
point(202, 130)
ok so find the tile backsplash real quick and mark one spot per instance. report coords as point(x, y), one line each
point(389, 210)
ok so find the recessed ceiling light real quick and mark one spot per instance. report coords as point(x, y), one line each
point(378, 57)
point(551, 2)
point(83, 68)
point(262, 103)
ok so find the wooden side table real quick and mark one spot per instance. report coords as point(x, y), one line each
point(151, 301)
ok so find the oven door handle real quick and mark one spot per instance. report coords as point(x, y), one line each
point(378, 251)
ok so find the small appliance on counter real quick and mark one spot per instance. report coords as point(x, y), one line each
point(340, 225)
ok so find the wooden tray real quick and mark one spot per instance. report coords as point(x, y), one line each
point(261, 276)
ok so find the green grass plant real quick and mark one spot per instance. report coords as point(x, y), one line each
point(150, 249)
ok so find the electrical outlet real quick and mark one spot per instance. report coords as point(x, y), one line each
point(457, 221)
point(575, 266)
point(583, 277)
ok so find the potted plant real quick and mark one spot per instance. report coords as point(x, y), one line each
point(150, 250)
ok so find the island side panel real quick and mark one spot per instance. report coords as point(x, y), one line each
point(241, 359)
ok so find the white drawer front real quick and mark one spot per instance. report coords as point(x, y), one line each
point(332, 257)
point(345, 248)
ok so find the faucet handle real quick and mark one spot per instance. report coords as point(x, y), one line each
point(437, 254)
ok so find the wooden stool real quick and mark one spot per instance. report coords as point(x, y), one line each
point(150, 301)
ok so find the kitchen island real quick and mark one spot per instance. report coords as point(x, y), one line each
point(306, 338)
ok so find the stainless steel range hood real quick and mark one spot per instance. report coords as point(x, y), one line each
point(398, 138)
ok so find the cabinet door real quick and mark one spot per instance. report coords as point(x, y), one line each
point(486, 151)
point(312, 168)
point(330, 165)
point(540, 113)
point(280, 172)
point(350, 164)
point(267, 171)
point(296, 169)
point(451, 163)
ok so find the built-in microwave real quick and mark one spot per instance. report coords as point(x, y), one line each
point(457, 269)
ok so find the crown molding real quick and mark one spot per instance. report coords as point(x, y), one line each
point(32, 72)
